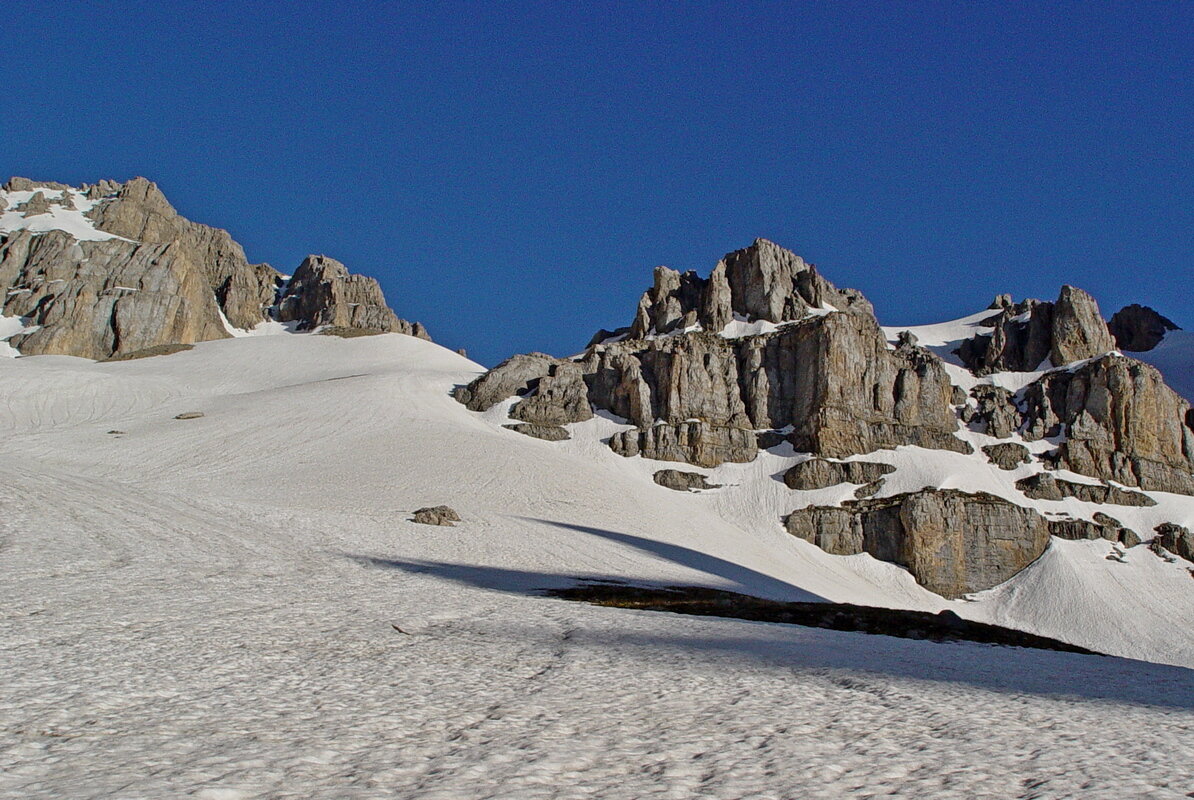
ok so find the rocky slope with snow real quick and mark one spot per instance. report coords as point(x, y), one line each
point(214, 585)
point(112, 269)
point(766, 354)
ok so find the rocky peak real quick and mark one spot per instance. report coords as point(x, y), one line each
point(323, 292)
point(1031, 334)
point(1138, 329)
point(116, 269)
point(760, 282)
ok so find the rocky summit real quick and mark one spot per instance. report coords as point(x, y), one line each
point(110, 269)
point(767, 353)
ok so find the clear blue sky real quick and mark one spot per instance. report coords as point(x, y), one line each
point(512, 172)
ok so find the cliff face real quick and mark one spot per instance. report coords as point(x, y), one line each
point(820, 364)
point(110, 269)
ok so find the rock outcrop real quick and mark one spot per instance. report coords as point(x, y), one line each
point(817, 473)
point(436, 515)
point(1100, 527)
point(1007, 455)
point(148, 277)
point(952, 542)
point(1046, 486)
point(1120, 422)
point(1028, 335)
point(826, 374)
point(683, 481)
point(761, 282)
point(1138, 329)
point(548, 433)
point(323, 292)
point(693, 442)
point(1175, 539)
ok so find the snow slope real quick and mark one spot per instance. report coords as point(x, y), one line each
point(1174, 356)
point(206, 607)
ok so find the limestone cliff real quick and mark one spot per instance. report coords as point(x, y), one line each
point(110, 269)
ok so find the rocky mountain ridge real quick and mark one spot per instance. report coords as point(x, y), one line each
point(110, 269)
point(765, 353)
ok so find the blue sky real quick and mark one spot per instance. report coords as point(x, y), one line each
point(512, 172)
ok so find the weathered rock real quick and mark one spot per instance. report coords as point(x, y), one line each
point(436, 515)
point(138, 210)
point(869, 490)
point(817, 473)
point(995, 412)
point(1007, 455)
point(829, 377)
point(1128, 537)
point(37, 204)
point(559, 397)
point(1046, 486)
point(189, 415)
point(683, 481)
point(1026, 335)
point(1078, 328)
point(98, 299)
point(694, 442)
point(1175, 539)
point(1138, 328)
point(1079, 529)
point(514, 376)
point(548, 433)
point(67, 200)
point(323, 292)
point(760, 282)
point(673, 380)
point(1120, 422)
point(952, 542)
point(169, 281)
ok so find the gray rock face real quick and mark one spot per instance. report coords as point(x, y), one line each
point(1120, 422)
point(38, 204)
point(1008, 455)
point(168, 284)
point(1046, 486)
point(1078, 328)
point(1024, 335)
point(1175, 539)
point(683, 481)
point(1102, 527)
point(1138, 328)
point(817, 473)
point(436, 515)
point(831, 377)
point(323, 292)
point(560, 397)
point(760, 282)
point(693, 442)
point(548, 433)
point(513, 376)
point(98, 299)
point(952, 542)
point(994, 412)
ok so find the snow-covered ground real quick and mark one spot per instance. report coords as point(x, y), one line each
point(206, 607)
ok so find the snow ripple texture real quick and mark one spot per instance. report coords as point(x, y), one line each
point(207, 608)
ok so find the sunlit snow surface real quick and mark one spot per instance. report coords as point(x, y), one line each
point(73, 221)
point(205, 608)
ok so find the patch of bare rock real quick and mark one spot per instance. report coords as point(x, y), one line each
point(436, 515)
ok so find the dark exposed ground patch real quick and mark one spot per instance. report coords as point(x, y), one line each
point(699, 601)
